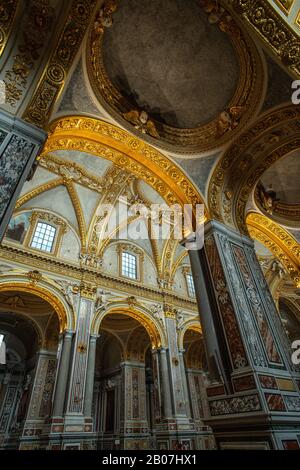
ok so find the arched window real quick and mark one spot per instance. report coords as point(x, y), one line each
point(44, 236)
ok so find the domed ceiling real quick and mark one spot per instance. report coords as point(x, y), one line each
point(284, 176)
point(283, 179)
point(184, 64)
point(164, 67)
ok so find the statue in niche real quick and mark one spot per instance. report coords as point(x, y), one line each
point(141, 122)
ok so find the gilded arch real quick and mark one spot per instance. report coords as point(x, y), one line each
point(139, 313)
point(102, 139)
point(45, 292)
point(271, 137)
point(278, 241)
point(188, 325)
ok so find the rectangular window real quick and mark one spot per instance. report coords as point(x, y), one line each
point(43, 237)
point(190, 285)
point(129, 265)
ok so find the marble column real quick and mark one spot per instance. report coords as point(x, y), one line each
point(260, 385)
point(62, 376)
point(184, 381)
point(165, 381)
point(90, 376)
point(20, 143)
point(214, 356)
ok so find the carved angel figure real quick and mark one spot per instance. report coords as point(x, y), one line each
point(267, 198)
point(141, 121)
point(104, 17)
point(102, 300)
point(229, 119)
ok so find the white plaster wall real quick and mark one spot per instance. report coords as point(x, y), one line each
point(70, 247)
point(180, 286)
point(110, 261)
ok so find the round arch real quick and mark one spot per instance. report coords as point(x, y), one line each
point(33, 323)
point(280, 242)
point(188, 325)
point(139, 313)
point(45, 292)
point(105, 140)
point(271, 137)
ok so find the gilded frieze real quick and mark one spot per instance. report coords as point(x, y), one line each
point(272, 29)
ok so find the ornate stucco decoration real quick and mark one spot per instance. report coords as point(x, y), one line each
point(272, 29)
point(271, 137)
point(8, 9)
point(278, 241)
point(126, 152)
point(45, 294)
point(287, 214)
point(35, 32)
point(39, 110)
point(88, 290)
point(214, 134)
point(34, 277)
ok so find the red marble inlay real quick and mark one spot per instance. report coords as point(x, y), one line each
point(244, 383)
point(275, 402)
point(267, 381)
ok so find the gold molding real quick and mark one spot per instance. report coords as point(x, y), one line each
point(271, 137)
point(52, 265)
point(40, 215)
point(38, 190)
point(285, 5)
point(74, 172)
point(272, 30)
point(51, 84)
point(43, 294)
point(177, 263)
point(278, 241)
point(247, 96)
point(8, 10)
point(156, 334)
point(107, 141)
point(78, 211)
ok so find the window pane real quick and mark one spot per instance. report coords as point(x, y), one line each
point(190, 284)
point(43, 237)
point(129, 265)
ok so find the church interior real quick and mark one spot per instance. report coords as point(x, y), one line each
point(113, 341)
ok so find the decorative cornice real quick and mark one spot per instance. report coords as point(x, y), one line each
point(99, 279)
point(54, 77)
point(271, 28)
point(278, 241)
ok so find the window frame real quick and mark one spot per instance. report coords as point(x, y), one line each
point(134, 251)
point(44, 222)
point(188, 275)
